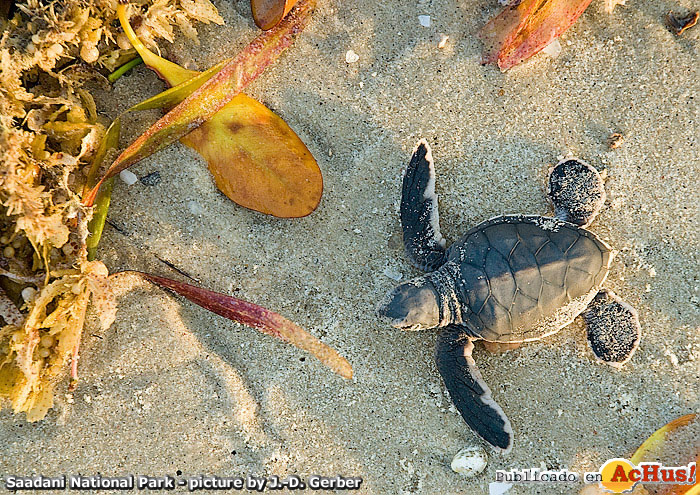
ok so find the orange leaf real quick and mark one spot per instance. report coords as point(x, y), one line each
point(257, 160)
point(520, 31)
point(267, 13)
point(502, 29)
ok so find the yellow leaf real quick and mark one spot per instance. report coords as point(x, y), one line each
point(257, 160)
point(671, 441)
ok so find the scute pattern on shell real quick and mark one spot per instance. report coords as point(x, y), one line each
point(515, 271)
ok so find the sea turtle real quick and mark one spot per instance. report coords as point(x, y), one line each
point(510, 279)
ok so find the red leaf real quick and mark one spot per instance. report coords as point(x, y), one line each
point(257, 317)
point(524, 28)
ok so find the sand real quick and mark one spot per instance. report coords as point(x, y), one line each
point(171, 389)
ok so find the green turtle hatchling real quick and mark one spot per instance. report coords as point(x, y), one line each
point(510, 279)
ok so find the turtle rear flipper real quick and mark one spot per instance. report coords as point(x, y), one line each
point(613, 328)
point(424, 244)
point(470, 394)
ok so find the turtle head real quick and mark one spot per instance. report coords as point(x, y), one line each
point(412, 305)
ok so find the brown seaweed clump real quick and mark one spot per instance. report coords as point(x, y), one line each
point(49, 134)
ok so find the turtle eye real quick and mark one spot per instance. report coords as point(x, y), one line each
point(411, 306)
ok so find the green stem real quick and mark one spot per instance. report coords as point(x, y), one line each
point(97, 224)
point(111, 140)
point(124, 69)
point(99, 216)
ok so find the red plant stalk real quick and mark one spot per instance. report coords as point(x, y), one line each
point(257, 317)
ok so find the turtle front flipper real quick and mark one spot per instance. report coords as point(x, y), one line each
point(469, 392)
point(613, 328)
point(424, 244)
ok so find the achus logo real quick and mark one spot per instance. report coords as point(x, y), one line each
point(620, 475)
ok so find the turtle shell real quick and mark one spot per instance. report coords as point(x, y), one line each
point(522, 277)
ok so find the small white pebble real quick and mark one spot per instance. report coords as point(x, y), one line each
point(652, 272)
point(195, 208)
point(553, 50)
point(443, 41)
point(357, 231)
point(87, 399)
point(671, 357)
point(424, 20)
point(393, 274)
point(496, 488)
point(470, 461)
point(69, 398)
point(128, 177)
point(351, 57)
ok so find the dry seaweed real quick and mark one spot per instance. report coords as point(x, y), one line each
point(49, 135)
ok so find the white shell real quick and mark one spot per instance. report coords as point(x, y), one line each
point(128, 177)
point(470, 461)
point(553, 49)
point(351, 57)
point(496, 488)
